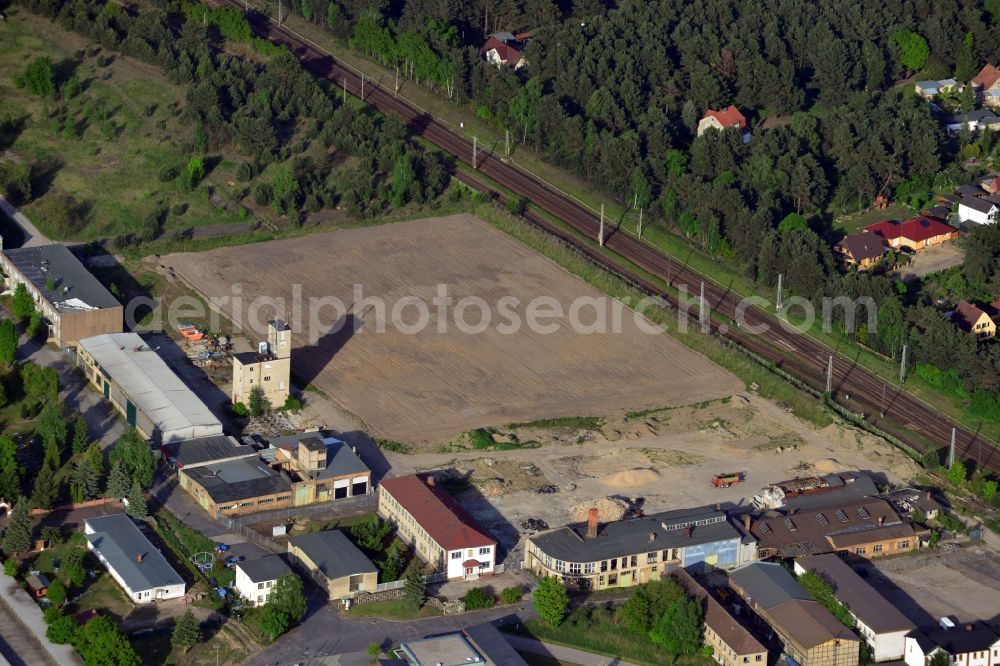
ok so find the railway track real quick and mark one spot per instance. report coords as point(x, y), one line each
point(883, 404)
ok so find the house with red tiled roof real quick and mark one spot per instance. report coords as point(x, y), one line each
point(916, 234)
point(990, 184)
point(441, 532)
point(503, 49)
point(721, 120)
point(987, 85)
point(972, 319)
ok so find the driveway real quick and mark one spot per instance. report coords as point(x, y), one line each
point(931, 260)
point(32, 236)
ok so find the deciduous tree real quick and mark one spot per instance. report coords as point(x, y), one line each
point(550, 599)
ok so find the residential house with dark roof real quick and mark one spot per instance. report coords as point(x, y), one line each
point(73, 302)
point(879, 623)
point(987, 85)
point(255, 579)
point(130, 558)
point(441, 532)
point(863, 250)
point(977, 209)
point(633, 551)
point(722, 120)
point(970, 644)
point(916, 234)
point(733, 644)
point(974, 121)
point(335, 563)
point(974, 320)
point(479, 645)
point(869, 528)
point(810, 634)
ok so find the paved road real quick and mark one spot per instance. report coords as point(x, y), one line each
point(325, 632)
point(32, 236)
point(564, 654)
point(17, 645)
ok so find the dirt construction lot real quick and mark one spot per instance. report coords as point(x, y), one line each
point(661, 461)
point(430, 385)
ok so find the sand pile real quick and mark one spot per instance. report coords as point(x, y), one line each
point(831, 466)
point(630, 478)
point(609, 509)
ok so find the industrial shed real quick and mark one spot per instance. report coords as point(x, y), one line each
point(139, 383)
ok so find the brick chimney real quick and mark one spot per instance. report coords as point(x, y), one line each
point(592, 523)
point(688, 531)
point(652, 537)
point(881, 519)
point(430, 481)
point(138, 557)
point(746, 522)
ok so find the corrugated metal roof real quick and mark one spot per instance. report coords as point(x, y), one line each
point(152, 386)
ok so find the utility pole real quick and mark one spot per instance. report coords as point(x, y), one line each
point(600, 231)
point(902, 366)
point(639, 233)
point(777, 307)
point(362, 86)
point(829, 375)
point(279, 12)
point(395, 90)
point(506, 142)
point(345, 90)
point(702, 310)
point(882, 410)
point(951, 451)
point(475, 148)
point(246, 6)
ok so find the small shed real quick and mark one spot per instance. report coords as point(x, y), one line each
point(38, 584)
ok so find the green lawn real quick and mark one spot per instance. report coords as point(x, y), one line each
point(394, 609)
point(852, 224)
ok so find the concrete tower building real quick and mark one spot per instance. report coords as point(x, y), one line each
point(270, 367)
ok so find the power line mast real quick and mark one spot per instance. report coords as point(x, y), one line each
point(829, 375)
point(506, 142)
point(279, 12)
point(639, 232)
point(702, 310)
point(777, 307)
point(395, 90)
point(902, 366)
point(600, 231)
point(475, 148)
point(951, 450)
point(362, 87)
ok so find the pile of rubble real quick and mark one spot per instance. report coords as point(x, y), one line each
point(609, 509)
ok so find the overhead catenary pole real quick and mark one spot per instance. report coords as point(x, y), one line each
point(475, 148)
point(506, 142)
point(639, 232)
point(279, 12)
point(902, 366)
point(395, 90)
point(345, 89)
point(829, 375)
point(362, 86)
point(600, 230)
point(951, 450)
point(777, 306)
point(702, 309)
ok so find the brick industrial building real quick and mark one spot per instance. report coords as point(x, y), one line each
point(72, 301)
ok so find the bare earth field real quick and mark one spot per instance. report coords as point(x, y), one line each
point(431, 385)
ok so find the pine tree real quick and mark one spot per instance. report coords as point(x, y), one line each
point(17, 536)
point(51, 429)
point(414, 589)
point(86, 480)
point(96, 458)
point(81, 439)
point(137, 502)
point(187, 632)
point(46, 489)
point(119, 484)
point(8, 341)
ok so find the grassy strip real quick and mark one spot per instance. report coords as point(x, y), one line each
point(393, 609)
point(395, 447)
point(602, 638)
point(575, 422)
